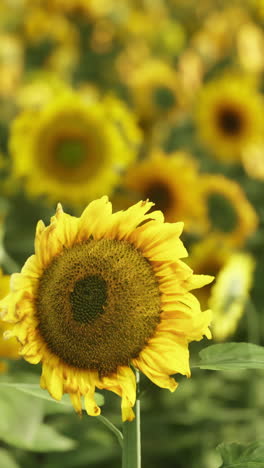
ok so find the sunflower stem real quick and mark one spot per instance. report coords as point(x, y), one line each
point(131, 456)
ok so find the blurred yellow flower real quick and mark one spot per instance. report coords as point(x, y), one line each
point(210, 255)
point(229, 115)
point(250, 46)
point(8, 348)
point(11, 63)
point(103, 292)
point(41, 88)
point(41, 24)
point(63, 60)
point(253, 159)
point(172, 182)
point(215, 37)
point(125, 121)
point(91, 8)
point(70, 149)
point(231, 215)
point(155, 91)
point(230, 293)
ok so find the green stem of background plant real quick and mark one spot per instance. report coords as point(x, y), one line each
point(131, 456)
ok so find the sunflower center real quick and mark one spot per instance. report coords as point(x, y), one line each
point(159, 194)
point(88, 298)
point(222, 213)
point(230, 121)
point(164, 98)
point(98, 304)
point(70, 152)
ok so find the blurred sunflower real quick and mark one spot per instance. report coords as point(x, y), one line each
point(210, 255)
point(230, 214)
point(70, 149)
point(11, 63)
point(229, 115)
point(41, 24)
point(250, 44)
point(91, 8)
point(230, 294)
point(8, 348)
point(253, 159)
point(102, 292)
point(173, 183)
point(126, 124)
point(63, 60)
point(42, 87)
point(154, 89)
point(214, 39)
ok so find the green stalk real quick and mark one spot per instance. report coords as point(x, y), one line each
point(131, 456)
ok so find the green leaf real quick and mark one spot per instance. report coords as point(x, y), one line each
point(20, 418)
point(21, 422)
point(6, 459)
point(47, 439)
point(242, 456)
point(229, 356)
point(36, 391)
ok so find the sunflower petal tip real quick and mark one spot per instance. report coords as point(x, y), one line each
point(173, 386)
point(146, 202)
point(127, 414)
point(59, 208)
point(90, 406)
point(40, 227)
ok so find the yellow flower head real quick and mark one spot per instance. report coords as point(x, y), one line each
point(155, 91)
point(91, 8)
point(173, 183)
point(42, 88)
point(8, 348)
point(250, 44)
point(104, 292)
point(216, 37)
point(209, 255)
point(253, 159)
point(11, 63)
point(42, 24)
point(230, 293)
point(71, 149)
point(232, 217)
point(229, 115)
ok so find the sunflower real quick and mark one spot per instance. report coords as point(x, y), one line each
point(210, 255)
point(93, 9)
point(8, 348)
point(70, 149)
point(232, 216)
point(250, 43)
point(11, 64)
point(154, 91)
point(229, 116)
point(253, 159)
point(230, 294)
point(215, 39)
point(103, 292)
point(41, 88)
point(41, 24)
point(173, 183)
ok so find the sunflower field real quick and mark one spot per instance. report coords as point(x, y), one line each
point(131, 233)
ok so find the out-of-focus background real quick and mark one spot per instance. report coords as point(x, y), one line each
point(136, 99)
